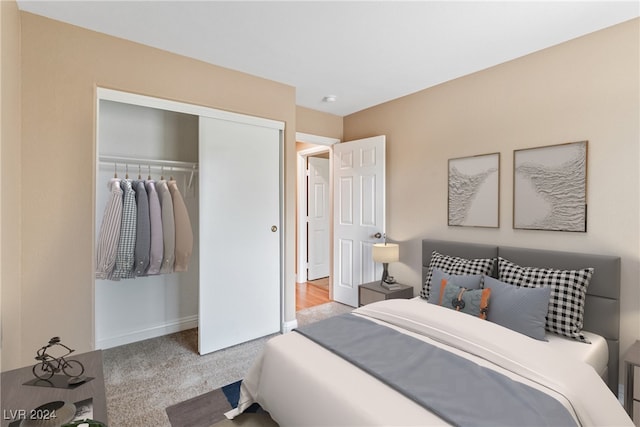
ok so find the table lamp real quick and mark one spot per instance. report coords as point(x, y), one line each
point(386, 253)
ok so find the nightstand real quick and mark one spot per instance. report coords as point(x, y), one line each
point(632, 382)
point(18, 399)
point(373, 292)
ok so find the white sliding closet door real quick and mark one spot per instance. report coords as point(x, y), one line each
point(240, 233)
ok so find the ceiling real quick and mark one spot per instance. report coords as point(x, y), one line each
point(362, 52)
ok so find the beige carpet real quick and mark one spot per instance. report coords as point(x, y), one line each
point(144, 378)
point(320, 312)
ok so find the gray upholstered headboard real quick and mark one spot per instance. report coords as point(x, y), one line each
point(602, 307)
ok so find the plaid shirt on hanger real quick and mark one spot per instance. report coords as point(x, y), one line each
point(127, 244)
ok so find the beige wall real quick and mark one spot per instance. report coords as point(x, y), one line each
point(61, 67)
point(10, 205)
point(585, 89)
point(318, 123)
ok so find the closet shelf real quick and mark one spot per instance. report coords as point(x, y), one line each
point(132, 162)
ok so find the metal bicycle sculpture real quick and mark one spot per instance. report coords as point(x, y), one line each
point(49, 365)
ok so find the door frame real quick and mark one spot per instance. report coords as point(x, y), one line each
point(323, 144)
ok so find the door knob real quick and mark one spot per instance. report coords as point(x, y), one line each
point(274, 228)
point(377, 235)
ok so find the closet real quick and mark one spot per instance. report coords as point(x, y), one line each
point(228, 168)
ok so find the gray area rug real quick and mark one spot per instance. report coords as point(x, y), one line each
point(144, 378)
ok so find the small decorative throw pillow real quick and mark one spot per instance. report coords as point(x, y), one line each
point(455, 265)
point(474, 302)
point(568, 293)
point(469, 281)
point(518, 308)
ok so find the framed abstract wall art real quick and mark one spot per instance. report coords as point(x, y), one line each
point(550, 187)
point(474, 188)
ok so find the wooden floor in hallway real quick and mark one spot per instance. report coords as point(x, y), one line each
point(310, 294)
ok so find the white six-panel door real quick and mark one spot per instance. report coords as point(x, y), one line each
point(240, 233)
point(318, 218)
point(359, 214)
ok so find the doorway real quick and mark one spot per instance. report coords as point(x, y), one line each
point(313, 241)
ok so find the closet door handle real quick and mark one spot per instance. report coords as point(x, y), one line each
point(274, 228)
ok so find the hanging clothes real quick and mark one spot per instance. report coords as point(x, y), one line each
point(126, 246)
point(184, 233)
point(155, 220)
point(109, 231)
point(168, 227)
point(143, 230)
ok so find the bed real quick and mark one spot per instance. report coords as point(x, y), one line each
point(301, 380)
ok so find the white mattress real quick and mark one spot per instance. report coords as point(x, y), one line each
point(595, 354)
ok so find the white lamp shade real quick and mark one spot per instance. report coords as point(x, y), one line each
point(386, 252)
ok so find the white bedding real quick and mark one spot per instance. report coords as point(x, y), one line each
point(595, 354)
point(301, 384)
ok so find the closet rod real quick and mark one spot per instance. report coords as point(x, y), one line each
point(169, 165)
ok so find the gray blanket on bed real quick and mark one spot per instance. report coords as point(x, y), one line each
point(458, 390)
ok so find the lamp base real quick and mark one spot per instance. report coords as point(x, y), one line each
point(389, 286)
point(387, 281)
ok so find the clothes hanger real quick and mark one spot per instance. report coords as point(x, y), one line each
point(115, 170)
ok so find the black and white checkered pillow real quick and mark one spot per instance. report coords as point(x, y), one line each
point(568, 292)
point(455, 265)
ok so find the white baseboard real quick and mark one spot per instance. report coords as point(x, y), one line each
point(171, 327)
point(289, 326)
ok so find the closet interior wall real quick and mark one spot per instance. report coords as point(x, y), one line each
point(130, 310)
